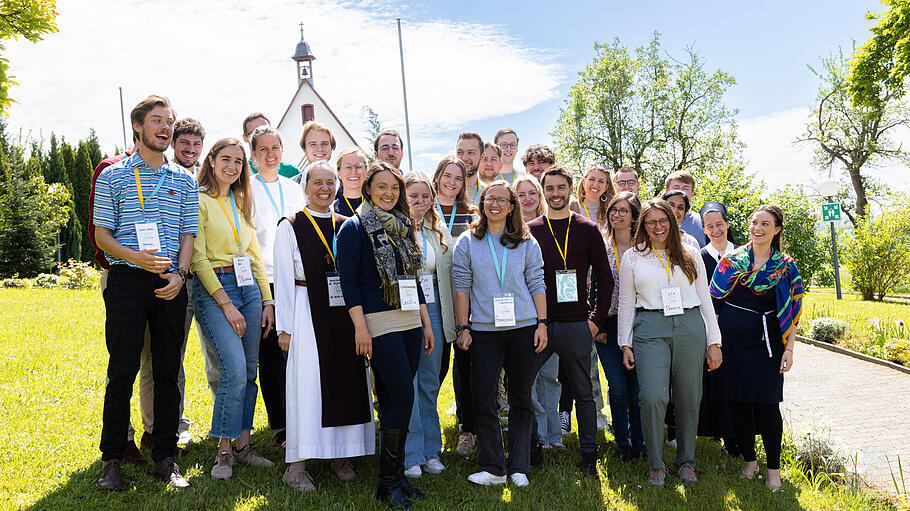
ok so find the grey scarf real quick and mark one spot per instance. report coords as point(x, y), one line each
point(388, 230)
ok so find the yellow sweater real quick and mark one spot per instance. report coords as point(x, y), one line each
point(215, 246)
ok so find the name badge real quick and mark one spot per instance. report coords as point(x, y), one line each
point(336, 297)
point(566, 286)
point(147, 235)
point(672, 299)
point(407, 292)
point(504, 310)
point(243, 271)
point(426, 282)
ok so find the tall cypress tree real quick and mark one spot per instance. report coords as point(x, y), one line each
point(82, 184)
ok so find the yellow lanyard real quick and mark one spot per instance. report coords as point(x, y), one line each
point(589, 215)
point(562, 253)
point(233, 227)
point(666, 269)
point(616, 256)
point(139, 189)
point(504, 178)
point(349, 205)
point(321, 236)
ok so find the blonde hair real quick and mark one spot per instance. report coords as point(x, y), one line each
point(527, 178)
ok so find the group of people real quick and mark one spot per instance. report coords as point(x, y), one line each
point(353, 277)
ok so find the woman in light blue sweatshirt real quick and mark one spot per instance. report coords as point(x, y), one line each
point(497, 273)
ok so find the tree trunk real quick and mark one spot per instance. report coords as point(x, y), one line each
point(859, 188)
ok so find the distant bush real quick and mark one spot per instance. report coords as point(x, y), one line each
point(824, 277)
point(79, 275)
point(878, 254)
point(828, 330)
point(47, 281)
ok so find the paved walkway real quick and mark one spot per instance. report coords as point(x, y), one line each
point(864, 407)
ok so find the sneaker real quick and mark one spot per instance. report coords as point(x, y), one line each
point(132, 455)
point(223, 463)
point(168, 471)
point(184, 438)
point(672, 443)
point(657, 476)
point(486, 479)
point(589, 465)
point(557, 446)
point(249, 456)
point(565, 422)
point(687, 474)
point(520, 480)
point(413, 472)
point(467, 442)
point(602, 424)
point(433, 466)
point(110, 476)
point(298, 479)
point(343, 469)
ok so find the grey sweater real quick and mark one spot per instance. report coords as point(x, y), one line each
point(473, 271)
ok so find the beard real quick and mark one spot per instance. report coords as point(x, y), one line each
point(185, 164)
point(565, 203)
point(472, 171)
point(152, 142)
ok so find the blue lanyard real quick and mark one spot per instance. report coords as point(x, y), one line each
point(236, 219)
point(477, 194)
point(500, 270)
point(154, 192)
point(280, 212)
point(424, 234)
point(451, 216)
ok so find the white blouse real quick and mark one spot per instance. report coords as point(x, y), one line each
point(426, 247)
point(641, 276)
point(288, 268)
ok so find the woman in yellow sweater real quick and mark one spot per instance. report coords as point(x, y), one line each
point(234, 305)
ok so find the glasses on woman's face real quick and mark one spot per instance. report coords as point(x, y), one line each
point(496, 201)
point(619, 212)
point(663, 222)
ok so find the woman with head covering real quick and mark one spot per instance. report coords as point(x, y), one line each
point(679, 202)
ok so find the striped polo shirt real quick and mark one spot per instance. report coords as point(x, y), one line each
point(175, 207)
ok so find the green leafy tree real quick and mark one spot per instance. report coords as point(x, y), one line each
point(880, 66)
point(94, 148)
point(31, 213)
point(31, 19)
point(82, 184)
point(737, 190)
point(69, 163)
point(800, 239)
point(878, 253)
point(374, 128)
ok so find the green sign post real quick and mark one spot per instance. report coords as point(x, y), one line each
point(831, 214)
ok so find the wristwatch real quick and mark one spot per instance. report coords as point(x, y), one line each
point(543, 322)
point(460, 328)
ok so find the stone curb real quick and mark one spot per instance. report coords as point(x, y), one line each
point(854, 354)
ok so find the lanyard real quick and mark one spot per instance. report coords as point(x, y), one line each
point(349, 206)
point(451, 216)
point(280, 212)
point(589, 214)
point(334, 247)
point(562, 253)
point(504, 178)
point(424, 234)
point(235, 222)
point(477, 193)
point(500, 270)
point(666, 269)
point(139, 188)
point(616, 256)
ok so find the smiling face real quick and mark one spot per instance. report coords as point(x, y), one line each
point(187, 149)
point(390, 150)
point(318, 146)
point(528, 198)
point(595, 185)
point(497, 204)
point(268, 151)
point(509, 144)
point(620, 215)
point(385, 190)
point(352, 170)
point(556, 189)
point(762, 229)
point(156, 131)
point(420, 200)
point(657, 225)
point(686, 188)
point(468, 151)
point(715, 228)
point(489, 164)
point(227, 165)
point(626, 181)
point(320, 188)
point(536, 167)
point(450, 182)
point(679, 207)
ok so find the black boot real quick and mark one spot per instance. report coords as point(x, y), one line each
point(391, 468)
point(589, 464)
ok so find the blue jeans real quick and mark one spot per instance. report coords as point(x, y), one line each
point(622, 389)
point(238, 357)
point(424, 435)
point(545, 398)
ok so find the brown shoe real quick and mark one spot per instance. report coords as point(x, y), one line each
point(687, 474)
point(467, 442)
point(343, 469)
point(168, 471)
point(132, 455)
point(110, 476)
point(298, 479)
point(146, 440)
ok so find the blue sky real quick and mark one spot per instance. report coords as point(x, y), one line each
point(471, 65)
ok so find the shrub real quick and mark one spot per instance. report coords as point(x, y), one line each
point(824, 277)
point(47, 281)
point(79, 275)
point(828, 330)
point(801, 238)
point(878, 254)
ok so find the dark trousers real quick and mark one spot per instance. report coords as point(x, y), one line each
point(763, 418)
point(444, 365)
point(493, 351)
point(130, 303)
point(394, 361)
point(572, 342)
point(622, 389)
point(461, 381)
point(272, 374)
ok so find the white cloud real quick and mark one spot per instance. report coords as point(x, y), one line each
point(218, 61)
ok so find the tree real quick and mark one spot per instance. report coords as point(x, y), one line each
point(94, 148)
point(878, 254)
point(31, 19)
point(373, 131)
point(881, 65)
point(31, 213)
point(82, 184)
point(736, 190)
point(800, 238)
point(855, 137)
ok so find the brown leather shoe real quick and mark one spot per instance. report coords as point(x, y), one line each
point(343, 469)
point(110, 476)
point(168, 471)
point(146, 440)
point(132, 455)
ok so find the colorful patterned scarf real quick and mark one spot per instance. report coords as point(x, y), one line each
point(389, 233)
point(779, 272)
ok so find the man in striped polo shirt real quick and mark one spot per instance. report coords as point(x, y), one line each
point(145, 214)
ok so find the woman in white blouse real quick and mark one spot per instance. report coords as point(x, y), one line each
point(667, 326)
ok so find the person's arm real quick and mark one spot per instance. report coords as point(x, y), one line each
point(428, 337)
point(175, 281)
point(540, 335)
point(462, 280)
point(285, 287)
point(603, 275)
point(625, 314)
point(706, 307)
point(786, 362)
point(145, 259)
point(348, 261)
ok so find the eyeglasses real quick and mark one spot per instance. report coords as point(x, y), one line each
point(508, 146)
point(394, 148)
point(358, 168)
point(627, 182)
point(664, 222)
point(619, 212)
point(496, 201)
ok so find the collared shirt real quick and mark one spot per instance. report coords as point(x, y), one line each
point(175, 208)
point(284, 169)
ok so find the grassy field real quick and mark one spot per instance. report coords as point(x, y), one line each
point(51, 399)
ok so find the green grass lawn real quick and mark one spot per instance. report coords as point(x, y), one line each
point(51, 400)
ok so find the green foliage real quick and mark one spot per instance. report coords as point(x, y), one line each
point(47, 281)
point(881, 65)
point(31, 19)
point(82, 185)
point(735, 189)
point(373, 131)
point(878, 253)
point(79, 275)
point(800, 238)
point(31, 212)
point(828, 330)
